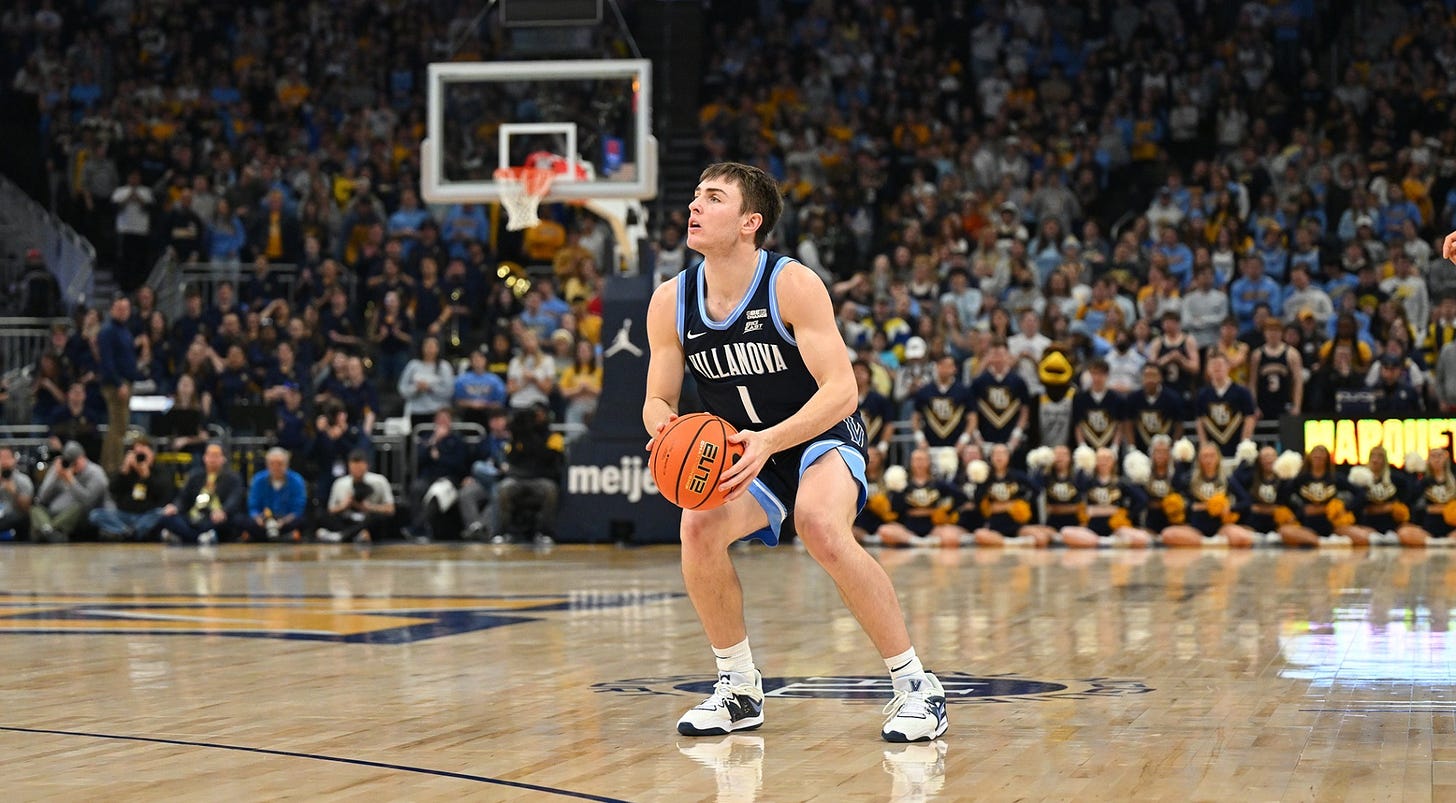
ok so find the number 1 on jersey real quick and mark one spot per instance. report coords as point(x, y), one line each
point(748, 405)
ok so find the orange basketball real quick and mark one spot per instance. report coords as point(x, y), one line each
point(689, 458)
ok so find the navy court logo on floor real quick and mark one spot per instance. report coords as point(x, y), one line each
point(960, 687)
point(342, 619)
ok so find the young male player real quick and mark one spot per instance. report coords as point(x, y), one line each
point(794, 404)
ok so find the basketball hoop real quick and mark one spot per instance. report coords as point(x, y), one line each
point(521, 191)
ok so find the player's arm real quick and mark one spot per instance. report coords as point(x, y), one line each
point(1448, 248)
point(1254, 361)
point(665, 362)
point(804, 305)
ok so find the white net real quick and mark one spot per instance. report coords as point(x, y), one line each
point(521, 191)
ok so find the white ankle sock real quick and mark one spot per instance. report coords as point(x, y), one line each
point(903, 667)
point(736, 660)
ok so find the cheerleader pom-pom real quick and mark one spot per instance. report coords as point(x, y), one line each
point(946, 461)
point(1288, 465)
point(1040, 458)
point(1084, 458)
point(1415, 463)
point(1137, 467)
point(1184, 451)
point(896, 478)
point(978, 471)
point(1247, 452)
point(1361, 477)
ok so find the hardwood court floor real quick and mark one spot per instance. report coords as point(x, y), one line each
point(483, 673)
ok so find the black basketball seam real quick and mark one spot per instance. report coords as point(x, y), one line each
point(677, 484)
point(722, 453)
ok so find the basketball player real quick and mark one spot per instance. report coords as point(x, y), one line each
point(794, 403)
point(1278, 373)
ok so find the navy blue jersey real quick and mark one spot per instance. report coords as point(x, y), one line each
point(1097, 419)
point(942, 412)
point(878, 412)
point(999, 403)
point(922, 507)
point(748, 367)
point(1223, 414)
point(1064, 497)
point(1153, 415)
point(1397, 399)
point(1198, 489)
point(1275, 382)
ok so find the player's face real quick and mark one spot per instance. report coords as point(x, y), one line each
point(716, 216)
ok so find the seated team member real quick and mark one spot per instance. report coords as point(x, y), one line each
point(1006, 500)
point(877, 496)
point(1384, 496)
point(1154, 410)
point(1314, 496)
point(1166, 505)
point(17, 494)
point(209, 505)
point(360, 504)
point(138, 494)
point(1265, 489)
point(1097, 411)
point(1112, 505)
point(1437, 493)
point(1223, 410)
point(1215, 502)
point(70, 491)
point(277, 499)
point(924, 509)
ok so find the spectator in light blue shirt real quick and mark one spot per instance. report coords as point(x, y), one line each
point(405, 223)
point(1178, 254)
point(1252, 289)
point(477, 390)
point(1396, 212)
point(1271, 251)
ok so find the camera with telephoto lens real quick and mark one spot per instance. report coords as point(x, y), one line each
point(66, 463)
point(5, 473)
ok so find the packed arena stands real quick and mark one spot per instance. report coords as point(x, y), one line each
point(1060, 192)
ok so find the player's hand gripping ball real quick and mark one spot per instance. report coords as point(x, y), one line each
point(690, 456)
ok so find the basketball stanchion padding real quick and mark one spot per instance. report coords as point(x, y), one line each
point(689, 458)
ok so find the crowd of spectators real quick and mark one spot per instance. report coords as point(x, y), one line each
point(1111, 181)
point(286, 138)
point(1122, 183)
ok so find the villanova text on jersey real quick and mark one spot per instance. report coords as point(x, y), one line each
point(747, 366)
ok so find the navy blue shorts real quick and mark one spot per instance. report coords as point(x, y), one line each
point(777, 485)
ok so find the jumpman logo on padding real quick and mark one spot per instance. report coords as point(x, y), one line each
point(623, 341)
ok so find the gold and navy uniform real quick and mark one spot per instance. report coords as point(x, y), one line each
point(1262, 489)
point(1152, 415)
point(999, 403)
point(1115, 492)
point(1307, 489)
point(1394, 486)
point(921, 507)
point(1174, 376)
point(942, 412)
point(1157, 488)
point(1223, 415)
point(1062, 492)
point(1008, 487)
point(749, 370)
point(877, 508)
point(1435, 495)
point(877, 412)
point(1198, 489)
point(1438, 334)
point(1275, 383)
point(1097, 419)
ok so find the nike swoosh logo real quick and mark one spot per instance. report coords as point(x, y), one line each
point(692, 335)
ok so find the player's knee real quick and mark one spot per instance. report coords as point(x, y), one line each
point(819, 530)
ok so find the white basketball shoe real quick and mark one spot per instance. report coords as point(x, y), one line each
point(730, 708)
point(917, 712)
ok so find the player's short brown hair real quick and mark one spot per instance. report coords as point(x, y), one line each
point(760, 193)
